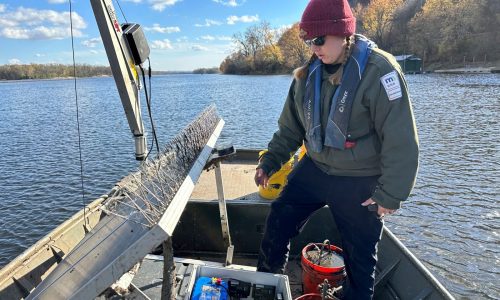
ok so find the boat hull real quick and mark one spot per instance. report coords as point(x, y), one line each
point(198, 235)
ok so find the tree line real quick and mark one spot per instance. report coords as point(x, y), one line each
point(444, 33)
point(213, 70)
point(45, 71)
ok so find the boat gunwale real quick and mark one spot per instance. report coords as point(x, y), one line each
point(15, 267)
point(424, 271)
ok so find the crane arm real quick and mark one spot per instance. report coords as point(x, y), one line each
point(123, 69)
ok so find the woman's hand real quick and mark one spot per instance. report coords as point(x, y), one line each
point(381, 211)
point(261, 178)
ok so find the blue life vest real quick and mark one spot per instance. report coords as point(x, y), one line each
point(343, 98)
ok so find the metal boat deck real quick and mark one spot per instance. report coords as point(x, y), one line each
point(237, 176)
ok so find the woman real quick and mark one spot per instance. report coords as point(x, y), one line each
point(350, 106)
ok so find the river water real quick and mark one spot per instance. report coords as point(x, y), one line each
point(451, 221)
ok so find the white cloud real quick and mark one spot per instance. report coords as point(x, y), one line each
point(213, 38)
point(39, 55)
point(224, 38)
point(157, 28)
point(208, 38)
point(7, 23)
point(58, 1)
point(14, 61)
point(199, 48)
point(92, 43)
point(160, 5)
point(94, 51)
point(208, 23)
point(32, 17)
point(182, 39)
point(232, 3)
point(133, 1)
point(164, 44)
point(29, 23)
point(38, 33)
point(231, 20)
point(2, 8)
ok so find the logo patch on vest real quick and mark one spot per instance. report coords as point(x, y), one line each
point(391, 85)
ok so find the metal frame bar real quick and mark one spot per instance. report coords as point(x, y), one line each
point(226, 235)
point(115, 247)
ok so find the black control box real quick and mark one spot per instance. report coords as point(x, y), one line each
point(238, 289)
point(263, 292)
point(137, 42)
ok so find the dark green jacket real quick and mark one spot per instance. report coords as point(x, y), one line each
point(384, 131)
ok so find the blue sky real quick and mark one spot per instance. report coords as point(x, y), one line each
point(182, 34)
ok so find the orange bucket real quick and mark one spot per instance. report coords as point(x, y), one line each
point(314, 274)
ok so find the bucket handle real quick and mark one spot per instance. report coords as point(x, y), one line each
point(327, 244)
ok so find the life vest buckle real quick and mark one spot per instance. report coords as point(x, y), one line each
point(349, 144)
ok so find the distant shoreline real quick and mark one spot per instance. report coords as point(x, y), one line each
point(472, 70)
point(62, 71)
point(50, 79)
point(96, 76)
point(456, 71)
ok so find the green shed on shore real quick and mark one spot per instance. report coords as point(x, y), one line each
point(410, 63)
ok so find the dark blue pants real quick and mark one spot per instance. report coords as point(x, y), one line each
point(308, 190)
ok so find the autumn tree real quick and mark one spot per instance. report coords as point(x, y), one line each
point(455, 28)
point(254, 39)
point(269, 60)
point(237, 63)
point(398, 40)
point(378, 19)
point(257, 52)
point(269, 57)
point(295, 52)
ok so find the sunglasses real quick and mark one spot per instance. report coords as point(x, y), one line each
point(318, 41)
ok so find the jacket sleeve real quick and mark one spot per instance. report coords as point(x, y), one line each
point(287, 139)
point(395, 125)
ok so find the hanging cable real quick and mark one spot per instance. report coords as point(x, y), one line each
point(148, 102)
point(150, 95)
point(120, 7)
point(77, 114)
point(149, 75)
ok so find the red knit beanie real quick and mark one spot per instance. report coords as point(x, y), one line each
point(327, 17)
